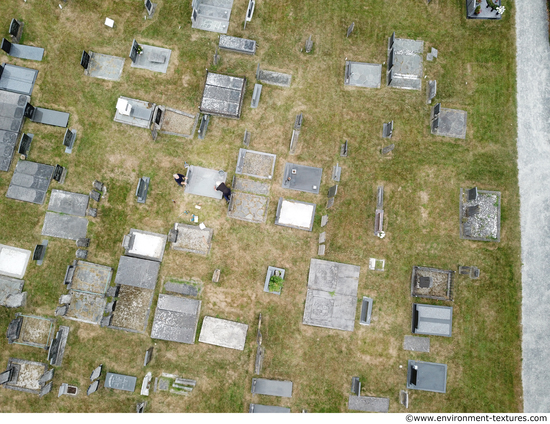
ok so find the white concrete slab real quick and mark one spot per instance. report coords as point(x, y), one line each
point(221, 332)
point(296, 214)
point(13, 261)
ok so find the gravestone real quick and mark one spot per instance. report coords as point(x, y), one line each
point(96, 373)
point(110, 307)
point(6, 376)
point(294, 141)
point(216, 276)
point(203, 127)
point(59, 174)
point(429, 57)
point(472, 194)
point(256, 96)
point(14, 329)
point(350, 29)
point(246, 139)
point(134, 51)
point(321, 250)
point(25, 144)
point(259, 360)
point(106, 321)
point(142, 189)
point(434, 52)
point(425, 282)
point(262, 386)
point(69, 139)
point(172, 235)
point(368, 404)
point(81, 254)
point(387, 130)
point(91, 212)
point(333, 190)
point(186, 289)
point(378, 222)
point(366, 310)
point(416, 344)
point(309, 45)
point(83, 242)
point(93, 388)
point(356, 386)
point(95, 195)
point(250, 11)
point(216, 57)
point(85, 60)
point(464, 270)
point(298, 122)
point(150, 8)
point(40, 252)
point(344, 149)
point(61, 311)
point(336, 171)
point(140, 407)
point(330, 202)
point(98, 185)
point(112, 291)
point(380, 198)
point(47, 376)
point(472, 210)
point(237, 45)
point(68, 203)
point(65, 299)
point(391, 41)
point(391, 59)
point(436, 110)
point(431, 90)
point(64, 226)
point(324, 220)
point(148, 356)
point(16, 30)
point(403, 394)
point(474, 273)
point(435, 124)
point(46, 389)
point(322, 237)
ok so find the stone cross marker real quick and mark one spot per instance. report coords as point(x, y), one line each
point(350, 29)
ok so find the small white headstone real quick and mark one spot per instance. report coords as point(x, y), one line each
point(123, 107)
point(109, 22)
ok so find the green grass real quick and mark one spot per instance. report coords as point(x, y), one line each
point(475, 71)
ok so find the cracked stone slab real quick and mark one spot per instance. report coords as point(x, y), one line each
point(251, 186)
point(255, 164)
point(248, 207)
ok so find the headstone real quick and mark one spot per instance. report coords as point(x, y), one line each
point(246, 139)
point(356, 386)
point(387, 129)
point(322, 237)
point(59, 174)
point(344, 149)
point(429, 57)
point(98, 185)
point(46, 389)
point(203, 127)
point(436, 110)
point(259, 360)
point(366, 310)
point(336, 171)
point(142, 189)
point(391, 40)
point(294, 141)
point(69, 139)
point(404, 398)
point(309, 45)
point(472, 194)
point(112, 291)
point(378, 222)
point(85, 60)
point(321, 250)
point(380, 198)
point(69, 274)
point(388, 149)
point(150, 8)
point(91, 212)
point(6, 376)
point(39, 253)
point(333, 190)
point(249, 11)
point(435, 123)
point(14, 329)
point(96, 373)
point(350, 29)
point(172, 235)
point(110, 307)
point(134, 51)
point(95, 195)
point(148, 356)
point(431, 89)
point(47, 376)
point(106, 321)
point(216, 276)
point(256, 96)
point(474, 273)
point(83, 242)
point(15, 26)
point(140, 407)
point(61, 311)
point(425, 282)
point(29, 111)
point(330, 202)
point(81, 253)
point(324, 220)
point(6, 46)
point(391, 59)
point(93, 388)
point(25, 144)
point(65, 299)
point(298, 122)
point(434, 52)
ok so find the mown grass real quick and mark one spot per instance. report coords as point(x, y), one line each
point(475, 72)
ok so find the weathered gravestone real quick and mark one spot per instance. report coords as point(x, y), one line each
point(216, 57)
point(82, 254)
point(366, 310)
point(95, 195)
point(216, 276)
point(16, 30)
point(309, 45)
point(321, 250)
point(431, 90)
point(356, 386)
point(142, 189)
point(387, 129)
point(203, 127)
point(249, 12)
point(403, 394)
point(46, 389)
point(256, 96)
point(330, 202)
point(472, 194)
point(333, 190)
point(150, 8)
point(93, 388)
point(247, 137)
point(336, 172)
point(140, 407)
point(148, 356)
point(324, 220)
point(96, 373)
point(350, 29)
point(40, 252)
point(344, 149)
point(388, 149)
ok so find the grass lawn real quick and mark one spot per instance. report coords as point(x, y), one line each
point(475, 71)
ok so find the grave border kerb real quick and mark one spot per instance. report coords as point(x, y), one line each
point(52, 324)
point(241, 150)
point(147, 316)
point(278, 212)
point(443, 271)
point(16, 361)
point(461, 215)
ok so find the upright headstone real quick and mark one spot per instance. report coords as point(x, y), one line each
point(140, 407)
point(96, 373)
point(322, 237)
point(47, 376)
point(216, 276)
point(344, 149)
point(98, 185)
point(93, 388)
point(203, 127)
point(472, 194)
point(403, 394)
point(321, 250)
point(350, 29)
point(134, 51)
point(387, 129)
point(256, 96)
point(356, 386)
point(391, 40)
point(95, 195)
point(59, 174)
point(149, 8)
point(246, 139)
point(82, 254)
point(83, 242)
point(434, 52)
point(46, 389)
point(330, 202)
point(85, 60)
point(16, 30)
point(436, 110)
point(148, 356)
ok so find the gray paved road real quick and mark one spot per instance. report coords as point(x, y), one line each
point(533, 85)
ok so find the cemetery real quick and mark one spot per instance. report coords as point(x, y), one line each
point(274, 70)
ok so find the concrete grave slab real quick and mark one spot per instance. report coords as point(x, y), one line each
point(153, 58)
point(274, 78)
point(8, 140)
point(139, 115)
point(186, 289)
point(255, 164)
point(137, 272)
point(30, 182)
point(452, 123)
point(202, 181)
point(262, 386)
point(432, 320)
point(9, 288)
point(416, 344)
point(295, 214)
point(50, 117)
point(146, 245)
point(192, 239)
point(368, 404)
point(237, 45)
point(248, 207)
point(360, 74)
point(120, 382)
point(404, 69)
point(86, 307)
point(17, 79)
point(91, 278)
point(13, 261)
point(266, 409)
point(223, 95)
point(64, 226)
point(68, 203)
point(176, 319)
point(177, 122)
point(250, 186)
point(211, 15)
point(105, 67)
point(221, 332)
point(132, 308)
point(302, 178)
point(35, 331)
point(427, 376)
point(27, 376)
point(22, 51)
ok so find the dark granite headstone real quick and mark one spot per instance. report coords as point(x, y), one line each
point(472, 210)
point(6, 46)
point(391, 41)
point(58, 173)
point(142, 189)
point(172, 235)
point(14, 329)
point(431, 89)
point(464, 270)
point(356, 386)
point(14, 27)
point(98, 185)
point(85, 60)
point(29, 111)
point(472, 194)
point(366, 310)
point(134, 51)
point(298, 122)
point(474, 273)
point(425, 282)
point(96, 373)
point(350, 29)
point(435, 123)
point(437, 110)
point(83, 242)
point(25, 144)
point(39, 252)
point(140, 407)
point(203, 127)
point(69, 274)
point(333, 190)
point(69, 138)
point(95, 195)
point(149, 7)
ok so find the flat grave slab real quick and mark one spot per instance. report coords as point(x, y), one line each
point(248, 207)
point(91, 278)
point(212, 15)
point(202, 181)
point(427, 376)
point(295, 214)
point(441, 283)
point(267, 409)
point(105, 67)
point(17, 79)
point(432, 320)
point(179, 123)
point(140, 115)
point(8, 140)
point(9, 287)
point(262, 386)
point(22, 51)
point(192, 239)
point(50, 117)
point(416, 344)
point(251, 186)
point(452, 123)
point(360, 74)
point(368, 404)
point(486, 12)
point(302, 178)
point(405, 63)
point(331, 299)
point(64, 226)
point(137, 272)
point(30, 182)
point(35, 331)
point(120, 382)
point(68, 203)
point(221, 332)
point(255, 164)
point(223, 95)
point(13, 261)
point(485, 224)
point(12, 108)
point(146, 245)
point(86, 307)
point(153, 58)
point(176, 319)
point(237, 45)
point(132, 308)
point(187, 289)
point(274, 78)
point(28, 374)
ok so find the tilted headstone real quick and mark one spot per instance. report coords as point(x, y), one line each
point(321, 250)
point(216, 276)
point(93, 388)
point(436, 110)
point(333, 190)
point(344, 149)
point(14, 329)
point(203, 127)
point(6, 376)
point(61, 311)
point(472, 194)
point(350, 29)
point(85, 60)
point(98, 185)
point(95, 195)
point(347, 72)
point(148, 356)
point(366, 310)
point(91, 212)
point(322, 237)
point(96, 373)
point(336, 171)
point(46, 389)
point(142, 189)
point(324, 220)
point(309, 45)
point(81, 254)
point(6, 46)
point(140, 407)
point(83, 242)
point(47, 376)
point(431, 89)
point(387, 129)
point(246, 139)
point(330, 202)
point(69, 139)
point(356, 386)
point(128, 241)
point(380, 198)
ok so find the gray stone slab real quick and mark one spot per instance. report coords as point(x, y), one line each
point(181, 288)
point(274, 78)
point(302, 178)
point(9, 287)
point(266, 409)
point(321, 250)
point(248, 207)
point(237, 45)
point(30, 182)
point(221, 332)
point(368, 404)
point(153, 58)
point(56, 357)
point(322, 237)
point(12, 107)
point(295, 214)
point(176, 319)
point(105, 67)
point(223, 95)
point(86, 307)
point(137, 272)
point(146, 245)
point(13, 261)
point(92, 388)
point(8, 140)
point(212, 15)
point(256, 96)
point(360, 74)
point(452, 123)
point(18, 79)
point(255, 164)
point(333, 277)
point(192, 239)
point(429, 376)
point(90, 278)
point(432, 320)
point(366, 311)
point(64, 226)
point(96, 373)
point(68, 203)
point(324, 220)
point(262, 386)
point(140, 115)
point(202, 181)
point(120, 382)
point(26, 52)
point(416, 344)
point(50, 117)
point(251, 186)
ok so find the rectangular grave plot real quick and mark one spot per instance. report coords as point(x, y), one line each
point(120, 382)
point(50, 117)
point(30, 182)
point(223, 95)
point(137, 272)
point(334, 311)
point(140, 115)
point(250, 186)
point(17, 79)
point(179, 123)
point(427, 376)
point(255, 408)
point(13, 261)
point(485, 224)
point(302, 178)
point(451, 123)
point(132, 309)
point(432, 320)
point(104, 66)
point(237, 45)
point(295, 214)
point(416, 344)
point(262, 386)
point(211, 15)
point(68, 203)
point(442, 283)
point(192, 239)
point(255, 164)
point(64, 226)
point(91, 278)
point(202, 181)
point(9, 287)
point(22, 51)
point(146, 245)
point(248, 207)
point(367, 75)
point(333, 277)
point(275, 78)
point(224, 333)
point(176, 319)
point(28, 375)
point(368, 404)
point(36, 331)
point(152, 58)
point(86, 307)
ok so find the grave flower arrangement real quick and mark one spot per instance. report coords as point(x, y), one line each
point(477, 10)
point(139, 49)
point(491, 4)
point(275, 282)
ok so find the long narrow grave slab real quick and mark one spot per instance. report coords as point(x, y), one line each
point(274, 78)
point(27, 376)
point(137, 113)
point(52, 117)
point(153, 58)
point(331, 300)
point(132, 310)
point(8, 140)
point(221, 332)
point(91, 278)
point(137, 272)
point(202, 181)
point(17, 79)
point(255, 164)
point(146, 245)
point(432, 320)
point(262, 386)
point(105, 67)
point(11, 291)
point(295, 214)
point(237, 45)
point(368, 404)
point(451, 123)
point(86, 307)
point(176, 319)
point(255, 408)
point(223, 95)
point(248, 207)
point(192, 239)
point(302, 178)
point(68, 203)
point(251, 186)
point(30, 182)
point(360, 74)
point(64, 226)
point(22, 51)
point(57, 347)
point(439, 286)
point(211, 15)
point(13, 261)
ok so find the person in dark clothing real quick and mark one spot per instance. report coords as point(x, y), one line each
point(226, 191)
point(180, 179)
